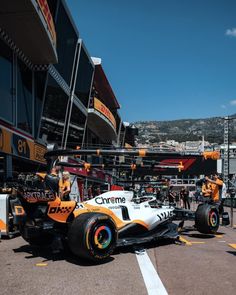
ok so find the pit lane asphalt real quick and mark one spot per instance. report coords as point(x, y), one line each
point(205, 266)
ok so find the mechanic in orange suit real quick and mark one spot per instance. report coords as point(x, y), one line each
point(65, 186)
point(216, 185)
point(206, 188)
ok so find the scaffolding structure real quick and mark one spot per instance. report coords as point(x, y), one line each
point(226, 167)
point(226, 151)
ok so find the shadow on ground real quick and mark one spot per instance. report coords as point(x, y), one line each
point(141, 247)
point(198, 235)
point(232, 252)
point(189, 233)
point(47, 254)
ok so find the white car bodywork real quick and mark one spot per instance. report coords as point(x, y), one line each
point(150, 215)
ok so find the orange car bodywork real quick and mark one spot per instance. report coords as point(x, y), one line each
point(60, 211)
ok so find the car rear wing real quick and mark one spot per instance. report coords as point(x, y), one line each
point(142, 154)
point(127, 152)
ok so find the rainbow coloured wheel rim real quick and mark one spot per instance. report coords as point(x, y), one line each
point(213, 219)
point(102, 237)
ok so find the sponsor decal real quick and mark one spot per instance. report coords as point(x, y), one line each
point(15, 144)
point(213, 219)
point(60, 210)
point(19, 210)
point(48, 18)
point(165, 215)
point(99, 106)
point(113, 207)
point(96, 210)
point(20, 146)
point(102, 237)
point(111, 200)
point(186, 163)
point(102, 218)
point(79, 206)
point(41, 196)
point(159, 216)
point(39, 152)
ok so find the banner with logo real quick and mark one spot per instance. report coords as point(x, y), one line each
point(99, 106)
point(15, 144)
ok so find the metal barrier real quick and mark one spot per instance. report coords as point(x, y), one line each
point(227, 202)
point(183, 182)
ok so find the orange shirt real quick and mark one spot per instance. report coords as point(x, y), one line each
point(207, 189)
point(64, 185)
point(216, 190)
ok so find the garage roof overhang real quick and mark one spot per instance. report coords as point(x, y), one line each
point(30, 26)
point(101, 126)
point(103, 87)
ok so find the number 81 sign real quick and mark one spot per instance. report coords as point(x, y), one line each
point(20, 146)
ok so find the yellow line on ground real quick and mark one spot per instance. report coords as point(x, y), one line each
point(188, 243)
point(219, 236)
point(198, 242)
point(232, 245)
point(41, 264)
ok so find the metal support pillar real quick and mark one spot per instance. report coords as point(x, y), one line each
point(8, 164)
point(227, 163)
point(226, 152)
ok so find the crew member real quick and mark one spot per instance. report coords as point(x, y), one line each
point(216, 186)
point(55, 171)
point(206, 188)
point(186, 198)
point(158, 194)
point(149, 189)
point(171, 195)
point(181, 197)
point(65, 186)
point(90, 192)
point(98, 191)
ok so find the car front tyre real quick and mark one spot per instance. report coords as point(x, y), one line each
point(207, 219)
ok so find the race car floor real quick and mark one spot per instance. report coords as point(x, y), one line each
point(201, 265)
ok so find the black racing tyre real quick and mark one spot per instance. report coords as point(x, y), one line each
point(207, 219)
point(92, 236)
point(39, 239)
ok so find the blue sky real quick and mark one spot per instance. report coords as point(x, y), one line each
point(165, 59)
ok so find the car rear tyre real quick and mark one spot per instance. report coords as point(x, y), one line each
point(92, 236)
point(207, 219)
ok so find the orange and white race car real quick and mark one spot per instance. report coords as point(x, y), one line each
point(92, 229)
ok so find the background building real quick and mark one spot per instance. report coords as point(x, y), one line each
point(51, 90)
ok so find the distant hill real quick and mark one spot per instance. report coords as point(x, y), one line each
point(185, 130)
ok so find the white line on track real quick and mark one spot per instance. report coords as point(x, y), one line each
point(152, 281)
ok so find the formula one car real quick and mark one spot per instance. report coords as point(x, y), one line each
point(92, 229)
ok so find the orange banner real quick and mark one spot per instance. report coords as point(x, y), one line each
point(15, 144)
point(48, 18)
point(99, 106)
